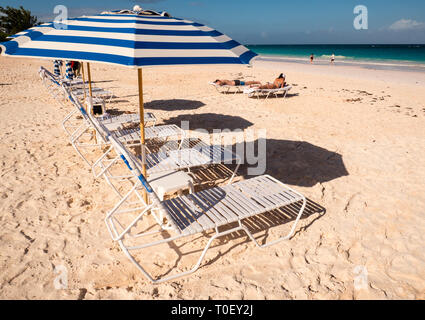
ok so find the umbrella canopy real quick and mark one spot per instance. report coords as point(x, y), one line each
point(133, 40)
point(129, 38)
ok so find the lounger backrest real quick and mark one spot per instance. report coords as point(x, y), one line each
point(49, 75)
point(100, 128)
point(134, 166)
point(102, 131)
point(44, 73)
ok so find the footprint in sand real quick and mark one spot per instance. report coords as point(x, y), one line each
point(353, 100)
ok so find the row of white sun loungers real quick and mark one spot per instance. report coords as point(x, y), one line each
point(199, 212)
point(196, 213)
point(77, 86)
point(114, 122)
point(156, 132)
point(252, 91)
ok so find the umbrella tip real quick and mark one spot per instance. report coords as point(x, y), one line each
point(137, 8)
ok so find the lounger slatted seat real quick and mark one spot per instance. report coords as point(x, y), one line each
point(179, 157)
point(267, 92)
point(90, 123)
point(117, 121)
point(233, 202)
point(227, 88)
point(96, 92)
point(189, 158)
point(77, 86)
point(200, 212)
point(157, 132)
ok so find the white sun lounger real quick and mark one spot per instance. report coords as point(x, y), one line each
point(77, 86)
point(151, 133)
point(112, 122)
point(116, 122)
point(267, 92)
point(173, 158)
point(130, 137)
point(227, 88)
point(201, 212)
point(52, 85)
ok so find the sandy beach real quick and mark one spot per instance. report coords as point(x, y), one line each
point(350, 139)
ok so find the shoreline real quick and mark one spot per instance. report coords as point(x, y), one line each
point(383, 64)
point(388, 77)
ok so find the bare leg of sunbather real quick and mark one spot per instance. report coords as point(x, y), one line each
point(252, 83)
point(239, 82)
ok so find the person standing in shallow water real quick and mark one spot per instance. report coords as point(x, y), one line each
point(333, 58)
point(311, 58)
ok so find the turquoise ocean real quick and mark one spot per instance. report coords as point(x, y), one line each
point(374, 56)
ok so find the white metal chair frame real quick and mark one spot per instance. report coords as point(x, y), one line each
point(210, 155)
point(244, 199)
point(227, 88)
point(259, 92)
point(77, 86)
point(90, 126)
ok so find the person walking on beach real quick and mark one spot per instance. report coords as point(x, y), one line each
point(311, 58)
point(333, 58)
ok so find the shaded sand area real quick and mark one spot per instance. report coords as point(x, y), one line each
point(351, 140)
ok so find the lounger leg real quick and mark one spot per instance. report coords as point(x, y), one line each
point(178, 275)
point(65, 120)
point(115, 235)
point(288, 236)
point(183, 136)
point(74, 140)
point(108, 181)
point(234, 172)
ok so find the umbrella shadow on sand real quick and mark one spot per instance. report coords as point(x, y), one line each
point(174, 104)
point(210, 121)
point(297, 163)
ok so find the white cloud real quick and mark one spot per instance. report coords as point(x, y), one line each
point(406, 24)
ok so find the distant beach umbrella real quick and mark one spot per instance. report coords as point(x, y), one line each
point(56, 67)
point(129, 38)
point(69, 73)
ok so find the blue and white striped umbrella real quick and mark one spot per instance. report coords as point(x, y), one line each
point(131, 40)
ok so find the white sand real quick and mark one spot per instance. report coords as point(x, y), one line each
point(362, 161)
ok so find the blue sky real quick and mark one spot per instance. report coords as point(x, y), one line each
point(273, 22)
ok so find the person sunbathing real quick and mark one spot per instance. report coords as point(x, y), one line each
point(279, 82)
point(236, 83)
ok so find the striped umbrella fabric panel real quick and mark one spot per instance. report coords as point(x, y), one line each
point(130, 40)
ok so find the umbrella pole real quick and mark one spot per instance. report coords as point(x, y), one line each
point(142, 127)
point(90, 99)
point(89, 76)
point(84, 80)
